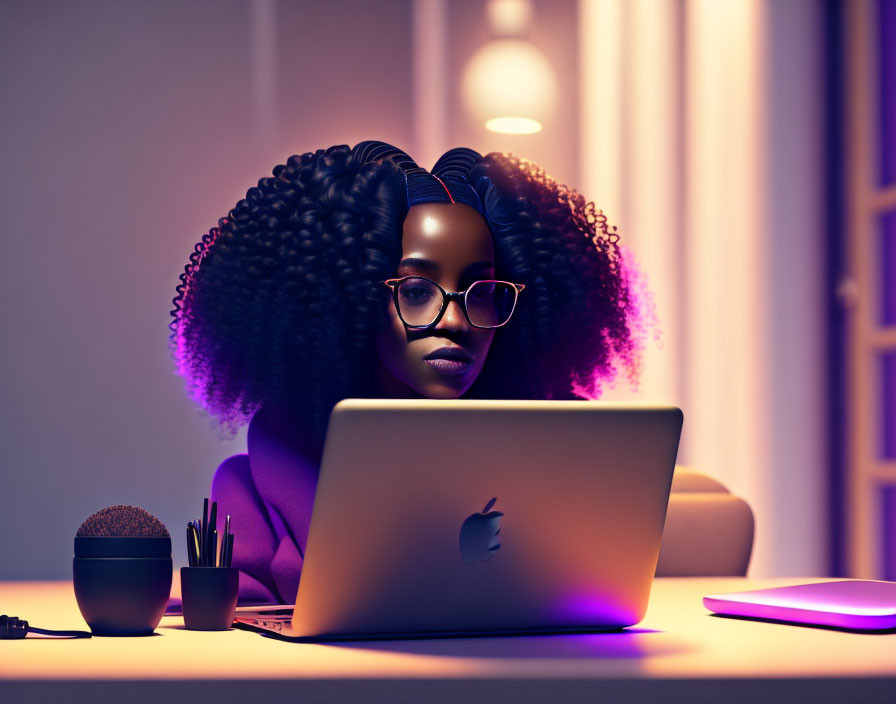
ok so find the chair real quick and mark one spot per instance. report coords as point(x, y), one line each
point(709, 531)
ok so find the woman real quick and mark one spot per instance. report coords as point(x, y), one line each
point(356, 273)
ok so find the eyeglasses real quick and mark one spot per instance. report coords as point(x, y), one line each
point(421, 303)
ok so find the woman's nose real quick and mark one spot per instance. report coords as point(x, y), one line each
point(453, 318)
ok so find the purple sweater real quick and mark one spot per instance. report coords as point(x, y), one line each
point(268, 493)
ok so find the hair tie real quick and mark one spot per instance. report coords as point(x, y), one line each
point(450, 197)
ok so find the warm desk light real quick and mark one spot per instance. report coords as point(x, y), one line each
point(513, 125)
point(509, 84)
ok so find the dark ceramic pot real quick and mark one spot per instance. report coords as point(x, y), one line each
point(122, 584)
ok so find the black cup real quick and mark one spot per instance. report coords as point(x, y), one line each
point(209, 597)
point(122, 584)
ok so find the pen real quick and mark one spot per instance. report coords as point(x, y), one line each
point(191, 557)
point(225, 540)
point(213, 531)
point(203, 535)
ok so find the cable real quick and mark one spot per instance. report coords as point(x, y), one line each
point(14, 628)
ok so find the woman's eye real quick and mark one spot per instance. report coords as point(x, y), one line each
point(416, 295)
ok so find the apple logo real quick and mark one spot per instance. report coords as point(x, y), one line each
point(479, 535)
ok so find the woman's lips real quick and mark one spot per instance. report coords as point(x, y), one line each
point(449, 360)
point(449, 366)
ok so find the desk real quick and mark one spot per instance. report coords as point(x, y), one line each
point(679, 653)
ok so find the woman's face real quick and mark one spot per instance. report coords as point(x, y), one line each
point(451, 245)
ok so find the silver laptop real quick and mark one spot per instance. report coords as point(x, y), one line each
point(437, 518)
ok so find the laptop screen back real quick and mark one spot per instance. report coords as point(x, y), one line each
point(486, 516)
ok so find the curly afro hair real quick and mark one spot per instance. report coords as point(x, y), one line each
point(587, 310)
point(280, 303)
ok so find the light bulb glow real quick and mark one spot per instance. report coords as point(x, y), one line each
point(513, 125)
point(509, 78)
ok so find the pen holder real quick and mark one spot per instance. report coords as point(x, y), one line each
point(209, 597)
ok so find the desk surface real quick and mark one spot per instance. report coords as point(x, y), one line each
point(679, 650)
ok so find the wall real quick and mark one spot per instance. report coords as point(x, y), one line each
point(702, 138)
point(127, 130)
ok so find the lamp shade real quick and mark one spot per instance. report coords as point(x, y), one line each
point(509, 86)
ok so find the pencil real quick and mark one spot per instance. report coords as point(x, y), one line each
point(229, 550)
point(213, 553)
point(194, 538)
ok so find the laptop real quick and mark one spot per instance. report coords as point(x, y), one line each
point(461, 517)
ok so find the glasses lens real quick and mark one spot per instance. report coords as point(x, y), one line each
point(490, 303)
point(419, 301)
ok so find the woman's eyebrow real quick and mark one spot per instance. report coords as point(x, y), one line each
point(479, 265)
point(417, 263)
point(430, 266)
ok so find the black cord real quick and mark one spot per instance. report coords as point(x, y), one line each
point(13, 628)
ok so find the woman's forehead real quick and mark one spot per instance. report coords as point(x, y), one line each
point(451, 236)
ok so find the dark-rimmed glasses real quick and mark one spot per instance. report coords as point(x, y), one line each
point(421, 302)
